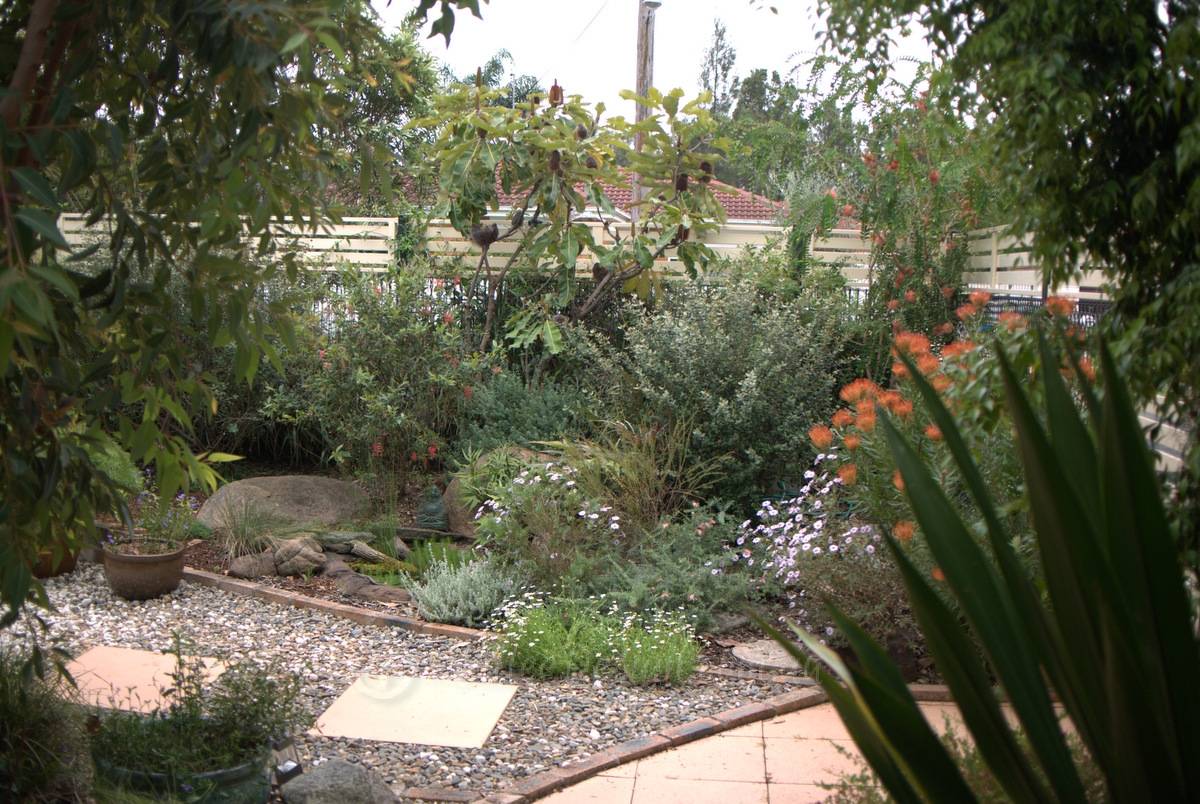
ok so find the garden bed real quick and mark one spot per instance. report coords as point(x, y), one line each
point(208, 557)
point(548, 724)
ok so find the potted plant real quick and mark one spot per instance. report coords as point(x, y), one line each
point(148, 562)
point(205, 744)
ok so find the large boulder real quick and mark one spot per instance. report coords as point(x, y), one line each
point(288, 499)
point(338, 782)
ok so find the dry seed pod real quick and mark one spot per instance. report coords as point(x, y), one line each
point(681, 183)
point(581, 132)
point(591, 162)
point(706, 172)
point(483, 235)
point(555, 161)
point(556, 94)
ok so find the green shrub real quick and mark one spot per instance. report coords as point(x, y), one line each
point(750, 373)
point(116, 464)
point(505, 411)
point(202, 727)
point(549, 639)
point(686, 566)
point(463, 594)
point(543, 524)
point(43, 744)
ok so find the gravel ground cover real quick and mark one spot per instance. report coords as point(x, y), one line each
point(548, 723)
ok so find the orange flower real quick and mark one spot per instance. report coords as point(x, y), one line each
point(821, 436)
point(860, 389)
point(903, 530)
point(910, 295)
point(1012, 320)
point(890, 399)
point(1089, 371)
point(965, 311)
point(933, 432)
point(910, 343)
point(900, 370)
point(903, 409)
point(927, 364)
point(941, 383)
point(1060, 306)
point(848, 473)
point(944, 328)
point(865, 421)
point(938, 575)
point(948, 291)
point(842, 418)
point(957, 349)
point(979, 298)
point(852, 442)
point(893, 305)
point(898, 480)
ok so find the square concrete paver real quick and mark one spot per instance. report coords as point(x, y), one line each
point(724, 759)
point(793, 761)
point(423, 711)
point(817, 722)
point(606, 789)
point(126, 678)
point(691, 791)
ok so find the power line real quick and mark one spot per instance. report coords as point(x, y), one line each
point(595, 16)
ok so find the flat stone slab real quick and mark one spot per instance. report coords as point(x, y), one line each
point(130, 679)
point(422, 711)
point(766, 654)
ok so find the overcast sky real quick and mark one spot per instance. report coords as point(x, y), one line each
point(589, 45)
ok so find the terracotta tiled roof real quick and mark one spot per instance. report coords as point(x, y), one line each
point(740, 205)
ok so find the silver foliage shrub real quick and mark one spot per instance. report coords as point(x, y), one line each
point(463, 595)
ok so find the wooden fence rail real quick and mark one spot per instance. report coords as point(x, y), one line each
point(996, 261)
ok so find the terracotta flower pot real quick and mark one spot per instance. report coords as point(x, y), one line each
point(46, 567)
point(142, 577)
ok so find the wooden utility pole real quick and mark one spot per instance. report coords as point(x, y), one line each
point(645, 80)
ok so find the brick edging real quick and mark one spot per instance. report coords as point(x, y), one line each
point(358, 615)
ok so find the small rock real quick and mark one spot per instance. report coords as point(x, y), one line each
point(253, 566)
point(298, 557)
point(338, 782)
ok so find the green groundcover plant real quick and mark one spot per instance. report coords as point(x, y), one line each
point(549, 638)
